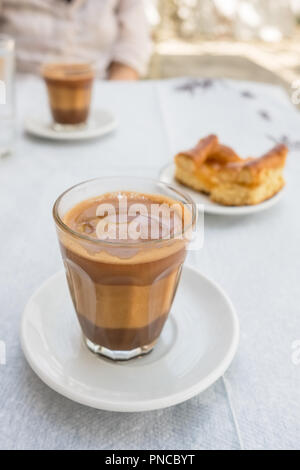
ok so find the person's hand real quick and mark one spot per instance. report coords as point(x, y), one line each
point(119, 71)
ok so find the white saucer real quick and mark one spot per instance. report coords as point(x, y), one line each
point(197, 345)
point(101, 122)
point(210, 207)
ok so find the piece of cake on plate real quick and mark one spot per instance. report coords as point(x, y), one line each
point(218, 171)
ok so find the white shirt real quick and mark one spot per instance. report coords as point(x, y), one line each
point(102, 31)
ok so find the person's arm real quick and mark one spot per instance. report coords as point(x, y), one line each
point(118, 71)
point(131, 52)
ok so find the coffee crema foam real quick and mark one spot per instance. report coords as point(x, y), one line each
point(70, 72)
point(127, 217)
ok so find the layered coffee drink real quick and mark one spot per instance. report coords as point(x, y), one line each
point(69, 91)
point(123, 261)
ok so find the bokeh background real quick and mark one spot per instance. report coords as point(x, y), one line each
point(243, 39)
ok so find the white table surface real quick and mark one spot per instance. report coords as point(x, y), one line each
point(255, 258)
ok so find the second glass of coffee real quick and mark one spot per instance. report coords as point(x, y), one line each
point(69, 88)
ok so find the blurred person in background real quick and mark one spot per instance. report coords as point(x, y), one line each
point(113, 34)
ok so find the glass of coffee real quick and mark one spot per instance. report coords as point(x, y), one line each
point(69, 88)
point(123, 241)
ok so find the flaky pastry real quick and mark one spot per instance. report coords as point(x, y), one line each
point(217, 170)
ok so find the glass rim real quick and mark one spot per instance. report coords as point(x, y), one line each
point(60, 223)
point(87, 66)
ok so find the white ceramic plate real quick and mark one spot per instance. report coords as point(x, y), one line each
point(101, 122)
point(210, 207)
point(197, 345)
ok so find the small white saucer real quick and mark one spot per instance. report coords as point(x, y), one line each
point(197, 345)
point(100, 122)
point(167, 176)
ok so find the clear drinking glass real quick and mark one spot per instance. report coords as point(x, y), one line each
point(7, 111)
point(122, 290)
point(69, 84)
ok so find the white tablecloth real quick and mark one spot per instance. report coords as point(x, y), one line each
point(255, 258)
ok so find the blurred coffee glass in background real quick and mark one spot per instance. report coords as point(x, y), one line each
point(7, 66)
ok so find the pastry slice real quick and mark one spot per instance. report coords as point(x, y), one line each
point(251, 181)
point(198, 167)
point(217, 170)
